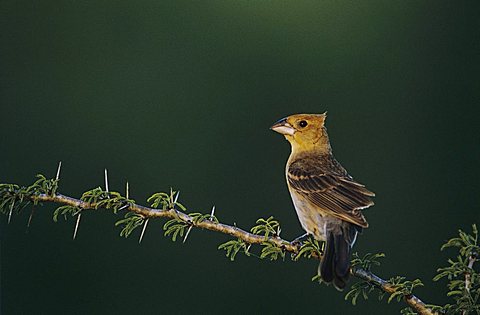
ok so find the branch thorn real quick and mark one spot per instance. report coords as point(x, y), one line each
point(58, 170)
point(212, 213)
point(10, 213)
point(176, 197)
point(106, 181)
point(30, 218)
point(76, 225)
point(143, 231)
point(188, 232)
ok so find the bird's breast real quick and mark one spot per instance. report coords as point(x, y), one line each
point(311, 219)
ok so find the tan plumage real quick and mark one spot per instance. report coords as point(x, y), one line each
point(327, 200)
point(326, 184)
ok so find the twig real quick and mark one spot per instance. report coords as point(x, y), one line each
point(468, 276)
point(413, 301)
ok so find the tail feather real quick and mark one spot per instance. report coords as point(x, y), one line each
point(326, 266)
point(342, 256)
point(335, 265)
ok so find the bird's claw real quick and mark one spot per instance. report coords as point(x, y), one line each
point(299, 240)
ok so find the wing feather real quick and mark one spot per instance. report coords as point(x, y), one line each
point(331, 189)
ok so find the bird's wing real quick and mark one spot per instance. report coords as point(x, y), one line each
point(331, 189)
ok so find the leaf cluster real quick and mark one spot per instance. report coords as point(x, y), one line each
point(14, 198)
point(179, 227)
point(399, 286)
point(164, 201)
point(309, 248)
point(367, 261)
point(364, 288)
point(233, 247)
point(267, 228)
point(402, 287)
point(131, 220)
point(129, 223)
point(462, 274)
point(175, 227)
point(100, 198)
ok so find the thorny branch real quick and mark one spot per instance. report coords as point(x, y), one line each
point(413, 301)
point(44, 190)
point(150, 213)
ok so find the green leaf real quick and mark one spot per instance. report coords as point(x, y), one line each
point(272, 251)
point(367, 261)
point(130, 222)
point(266, 227)
point(65, 210)
point(310, 247)
point(175, 227)
point(233, 247)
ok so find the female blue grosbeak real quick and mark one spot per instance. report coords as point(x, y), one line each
point(327, 200)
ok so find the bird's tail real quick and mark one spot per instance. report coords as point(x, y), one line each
point(335, 264)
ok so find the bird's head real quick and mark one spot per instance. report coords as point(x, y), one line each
point(305, 132)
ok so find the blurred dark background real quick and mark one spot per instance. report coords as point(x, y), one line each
point(182, 94)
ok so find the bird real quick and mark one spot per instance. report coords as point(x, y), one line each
point(327, 200)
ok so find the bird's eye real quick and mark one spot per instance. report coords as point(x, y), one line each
point(303, 123)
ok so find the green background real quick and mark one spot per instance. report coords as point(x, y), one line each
point(182, 94)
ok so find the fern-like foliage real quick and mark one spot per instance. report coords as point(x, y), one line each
point(272, 251)
point(233, 247)
point(100, 198)
point(164, 201)
point(398, 287)
point(131, 221)
point(14, 198)
point(309, 248)
point(462, 274)
point(267, 227)
point(175, 227)
point(65, 210)
point(367, 261)
point(402, 287)
point(44, 185)
point(364, 288)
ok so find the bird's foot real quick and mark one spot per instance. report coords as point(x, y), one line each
point(299, 240)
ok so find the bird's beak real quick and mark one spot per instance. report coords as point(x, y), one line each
point(283, 127)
